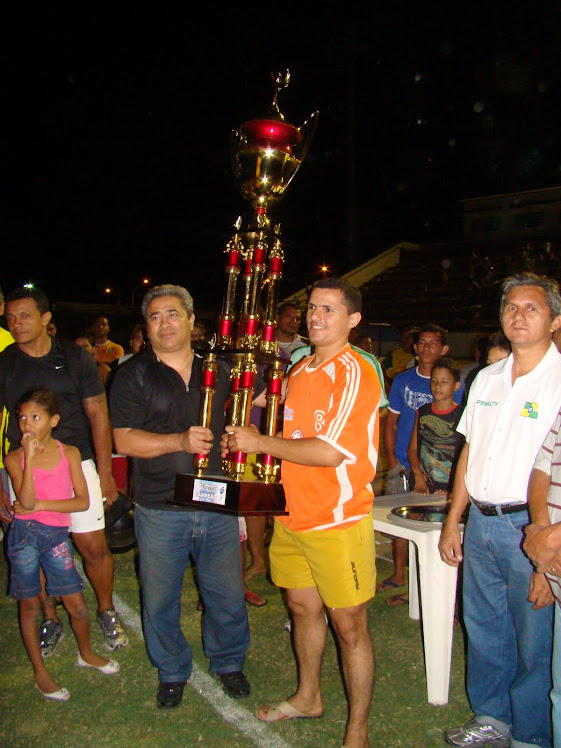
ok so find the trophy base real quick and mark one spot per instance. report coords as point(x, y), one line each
point(251, 498)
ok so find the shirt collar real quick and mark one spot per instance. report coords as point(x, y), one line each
point(505, 367)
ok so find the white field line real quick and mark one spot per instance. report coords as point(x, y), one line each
point(384, 558)
point(230, 711)
point(257, 731)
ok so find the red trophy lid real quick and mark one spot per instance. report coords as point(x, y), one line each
point(270, 132)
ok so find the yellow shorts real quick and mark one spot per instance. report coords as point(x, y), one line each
point(340, 563)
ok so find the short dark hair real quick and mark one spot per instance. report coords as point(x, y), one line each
point(498, 340)
point(45, 398)
point(36, 294)
point(140, 328)
point(352, 297)
point(431, 327)
point(283, 307)
point(549, 285)
point(449, 365)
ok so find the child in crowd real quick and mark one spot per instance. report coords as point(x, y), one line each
point(435, 444)
point(49, 483)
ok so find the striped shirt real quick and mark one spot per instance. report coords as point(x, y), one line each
point(307, 350)
point(338, 401)
point(549, 461)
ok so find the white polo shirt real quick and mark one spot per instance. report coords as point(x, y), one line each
point(506, 425)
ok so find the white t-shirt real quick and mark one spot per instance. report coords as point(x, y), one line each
point(506, 424)
point(292, 345)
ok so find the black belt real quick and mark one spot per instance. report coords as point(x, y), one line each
point(492, 510)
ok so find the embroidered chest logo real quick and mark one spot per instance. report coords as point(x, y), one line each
point(319, 416)
point(297, 434)
point(530, 410)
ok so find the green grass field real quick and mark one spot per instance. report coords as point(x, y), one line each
point(121, 711)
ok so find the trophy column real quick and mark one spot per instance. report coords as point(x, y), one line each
point(266, 154)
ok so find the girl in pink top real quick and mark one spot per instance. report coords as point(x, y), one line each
point(49, 483)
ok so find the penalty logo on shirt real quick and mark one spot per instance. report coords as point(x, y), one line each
point(530, 410)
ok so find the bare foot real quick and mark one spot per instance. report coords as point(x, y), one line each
point(252, 598)
point(46, 683)
point(254, 571)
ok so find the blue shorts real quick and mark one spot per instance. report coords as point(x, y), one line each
point(31, 545)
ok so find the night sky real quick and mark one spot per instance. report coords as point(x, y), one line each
point(118, 166)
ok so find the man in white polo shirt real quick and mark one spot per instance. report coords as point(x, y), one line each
point(507, 606)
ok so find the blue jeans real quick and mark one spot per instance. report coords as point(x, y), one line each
point(509, 644)
point(165, 541)
point(31, 546)
point(556, 693)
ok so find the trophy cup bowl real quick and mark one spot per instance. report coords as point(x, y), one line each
point(267, 153)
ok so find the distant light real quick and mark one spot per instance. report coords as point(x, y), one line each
point(146, 281)
point(107, 290)
point(418, 77)
point(29, 285)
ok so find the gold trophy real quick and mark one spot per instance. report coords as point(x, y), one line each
point(266, 154)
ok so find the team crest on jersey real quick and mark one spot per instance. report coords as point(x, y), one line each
point(297, 434)
point(530, 410)
point(288, 414)
point(319, 417)
point(416, 399)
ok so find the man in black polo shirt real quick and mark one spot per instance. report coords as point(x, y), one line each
point(155, 409)
point(38, 360)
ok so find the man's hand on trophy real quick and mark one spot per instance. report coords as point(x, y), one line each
point(197, 440)
point(240, 439)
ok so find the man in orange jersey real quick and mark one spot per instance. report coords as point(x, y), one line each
point(323, 552)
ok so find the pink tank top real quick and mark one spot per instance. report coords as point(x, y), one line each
point(50, 485)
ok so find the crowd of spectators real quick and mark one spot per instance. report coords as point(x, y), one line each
point(440, 427)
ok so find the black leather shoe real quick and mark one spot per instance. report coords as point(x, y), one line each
point(169, 695)
point(234, 684)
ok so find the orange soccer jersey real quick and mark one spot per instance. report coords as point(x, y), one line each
point(338, 401)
